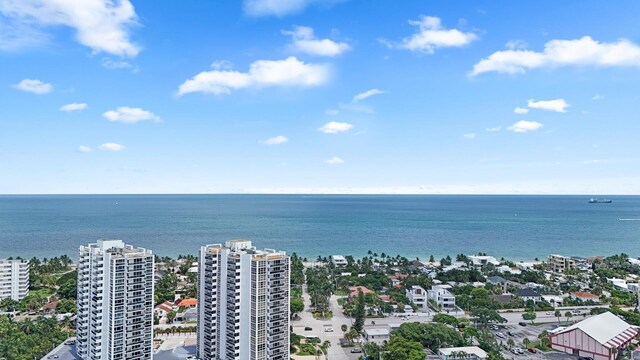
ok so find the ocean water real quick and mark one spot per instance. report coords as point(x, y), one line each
point(517, 227)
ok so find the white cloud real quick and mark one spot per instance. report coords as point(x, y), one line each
point(276, 140)
point(334, 161)
point(332, 112)
point(304, 41)
point(262, 73)
point(431, 36)
point(102, 25)
point(334, 127)
point(110, 64)
point(111, 147)
point(84, 149)
point(469, 136)
point(493, 129)
point(366, 94)
point(280, 7)
point(520, 110)
point(516, 44)
point(34, 86)
point(130, 115)
point(524, 126)
point(556, 53)
point(597, 97)
point(558, 105)
point(73, 107)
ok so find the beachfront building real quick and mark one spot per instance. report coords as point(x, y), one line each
point(442, 297)
point(115, 302)
point(418, 295)
point(482, 260)
point(14, 279)
point(559, 263)
point(339, 260)
point(600, 337)
point(464, 352)
point(243, 295)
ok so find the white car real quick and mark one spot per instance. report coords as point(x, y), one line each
point(328, 329)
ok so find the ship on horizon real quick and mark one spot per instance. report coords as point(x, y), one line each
point(599, 201)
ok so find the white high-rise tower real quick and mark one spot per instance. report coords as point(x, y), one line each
point(115, 302)
point(14, 279)
point(243, 303)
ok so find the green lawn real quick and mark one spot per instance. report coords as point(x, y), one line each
point(306, 349)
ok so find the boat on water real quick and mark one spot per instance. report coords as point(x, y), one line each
point(599, 201)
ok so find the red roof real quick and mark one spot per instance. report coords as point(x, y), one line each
point(51, 306)
point(187, 302)
point(354, 290)
point(163, 307)
point(584, 295)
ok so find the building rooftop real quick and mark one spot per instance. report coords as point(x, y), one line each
point(584, 294)
point(377, 332)
point(606, 328)
point(527, 292)
point(467, 349)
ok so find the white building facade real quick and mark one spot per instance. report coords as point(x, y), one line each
point(115, 302)
point(418, 295)
point(243, 297)
point(14, 279)
point(441, 295)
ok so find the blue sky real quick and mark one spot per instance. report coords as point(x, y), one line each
point(319, 96)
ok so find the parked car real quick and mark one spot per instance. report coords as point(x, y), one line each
point(532, 350)
point(328, 329)
point(510, 333)
point(70, 342)
point(522, 323)
point(584, 358)
point(500, 335)
point(549, 313)
point(307, 328)
point(356, 350)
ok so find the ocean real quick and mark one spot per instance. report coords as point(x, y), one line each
point(515, 227)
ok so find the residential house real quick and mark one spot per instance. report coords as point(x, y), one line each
point(418, 295)
point(442, 297)
point(378, 336)
point(584, 296)
point(482, 260)
point(339, 260)
point(527, 294)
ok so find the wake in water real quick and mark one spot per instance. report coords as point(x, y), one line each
point(621, 219)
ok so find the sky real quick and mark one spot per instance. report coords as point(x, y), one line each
point(319, 96)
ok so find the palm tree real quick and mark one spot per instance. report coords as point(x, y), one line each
point(558, 314)
point(568, 315)
point(526, 342)
point(324, 347)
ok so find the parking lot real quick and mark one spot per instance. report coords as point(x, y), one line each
point(64, 351)
point(517, 333)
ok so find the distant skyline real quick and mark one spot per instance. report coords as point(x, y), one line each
point(319, 96)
